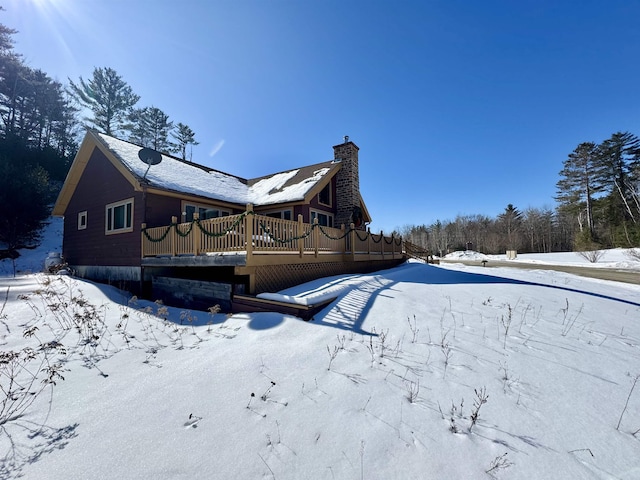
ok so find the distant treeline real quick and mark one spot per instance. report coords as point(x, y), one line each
point(598, 206)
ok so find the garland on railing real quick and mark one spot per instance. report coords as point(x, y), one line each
point(266, 230)
point(335, 238)
point(226, 230)
point(185, 234)
point(376, 241)
point(162, 237)
point(359, 237)
point(200, 226)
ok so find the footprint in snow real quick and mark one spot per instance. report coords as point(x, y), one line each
point(193, 421)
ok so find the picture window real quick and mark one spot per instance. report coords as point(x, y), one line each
point(119, 217)
point(324, 219)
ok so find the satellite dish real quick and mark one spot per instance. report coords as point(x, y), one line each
point(150, 157)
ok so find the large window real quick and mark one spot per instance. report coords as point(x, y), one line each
point(283, 214)
point(324, 197)
point(203, 211)
point(324, 219)
point(119, 217)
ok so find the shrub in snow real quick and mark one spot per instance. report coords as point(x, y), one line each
point(592, 255)
point(26, 373)
point(481, 399)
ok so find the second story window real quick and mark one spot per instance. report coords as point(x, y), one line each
point(324, 197)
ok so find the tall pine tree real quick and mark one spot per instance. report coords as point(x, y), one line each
point(184, 137)
point(616, 171)
point(576, 188)
point(108, 97)
point(150, 127)
point(511, 222)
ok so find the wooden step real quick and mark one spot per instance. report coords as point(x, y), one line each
point(248, 304)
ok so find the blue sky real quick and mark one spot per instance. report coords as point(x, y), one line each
point(458, 107)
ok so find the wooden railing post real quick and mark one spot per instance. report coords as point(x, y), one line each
point(174, 236)
point(368, 241)
point(248, 232)
point(382, 243)
point(344, 243)
point(315, 236)
point(196, 235)
point(142, 228)
point(352, 235)
point(299, 234)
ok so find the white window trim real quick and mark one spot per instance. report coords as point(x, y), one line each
point(82, 220)
point(327, 214)
point(109, 211)
point(281, 212)
point(223, 212)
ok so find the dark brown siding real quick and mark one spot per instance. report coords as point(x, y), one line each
point(160, 209)
point(101, 184)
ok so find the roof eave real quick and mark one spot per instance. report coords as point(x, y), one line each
point(85, 152)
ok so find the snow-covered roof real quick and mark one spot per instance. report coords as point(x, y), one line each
point(190, 178)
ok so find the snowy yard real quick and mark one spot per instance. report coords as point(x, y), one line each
point(422, 371)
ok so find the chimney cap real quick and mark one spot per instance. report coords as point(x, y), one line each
point(346, 139)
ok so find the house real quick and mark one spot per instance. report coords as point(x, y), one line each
point(119, 200)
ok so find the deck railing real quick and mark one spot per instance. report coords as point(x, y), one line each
point(268, 235)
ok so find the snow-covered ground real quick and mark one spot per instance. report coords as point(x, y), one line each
point(421, 371)
point(619, 258)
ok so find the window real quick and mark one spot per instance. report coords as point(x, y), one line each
point(120, 217)
point(324, 197)
point(283, 214)
point(82, 220)
point(324, 219)
point(203, 211)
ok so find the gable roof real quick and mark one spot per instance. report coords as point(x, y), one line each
point(175, 175)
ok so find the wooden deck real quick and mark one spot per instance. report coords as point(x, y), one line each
point(229, 259)
point(224, 242)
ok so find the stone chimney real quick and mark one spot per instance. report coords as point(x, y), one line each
point(347, 184)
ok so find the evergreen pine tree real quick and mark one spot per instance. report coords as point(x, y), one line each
point(159, 128)
point(24, 201)
point(150, 127)
point(576, 188)
point(616, 172)
point(184, 136)
point(511, 223)
point(107, 96)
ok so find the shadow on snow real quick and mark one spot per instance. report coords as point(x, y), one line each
point(350, 309)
